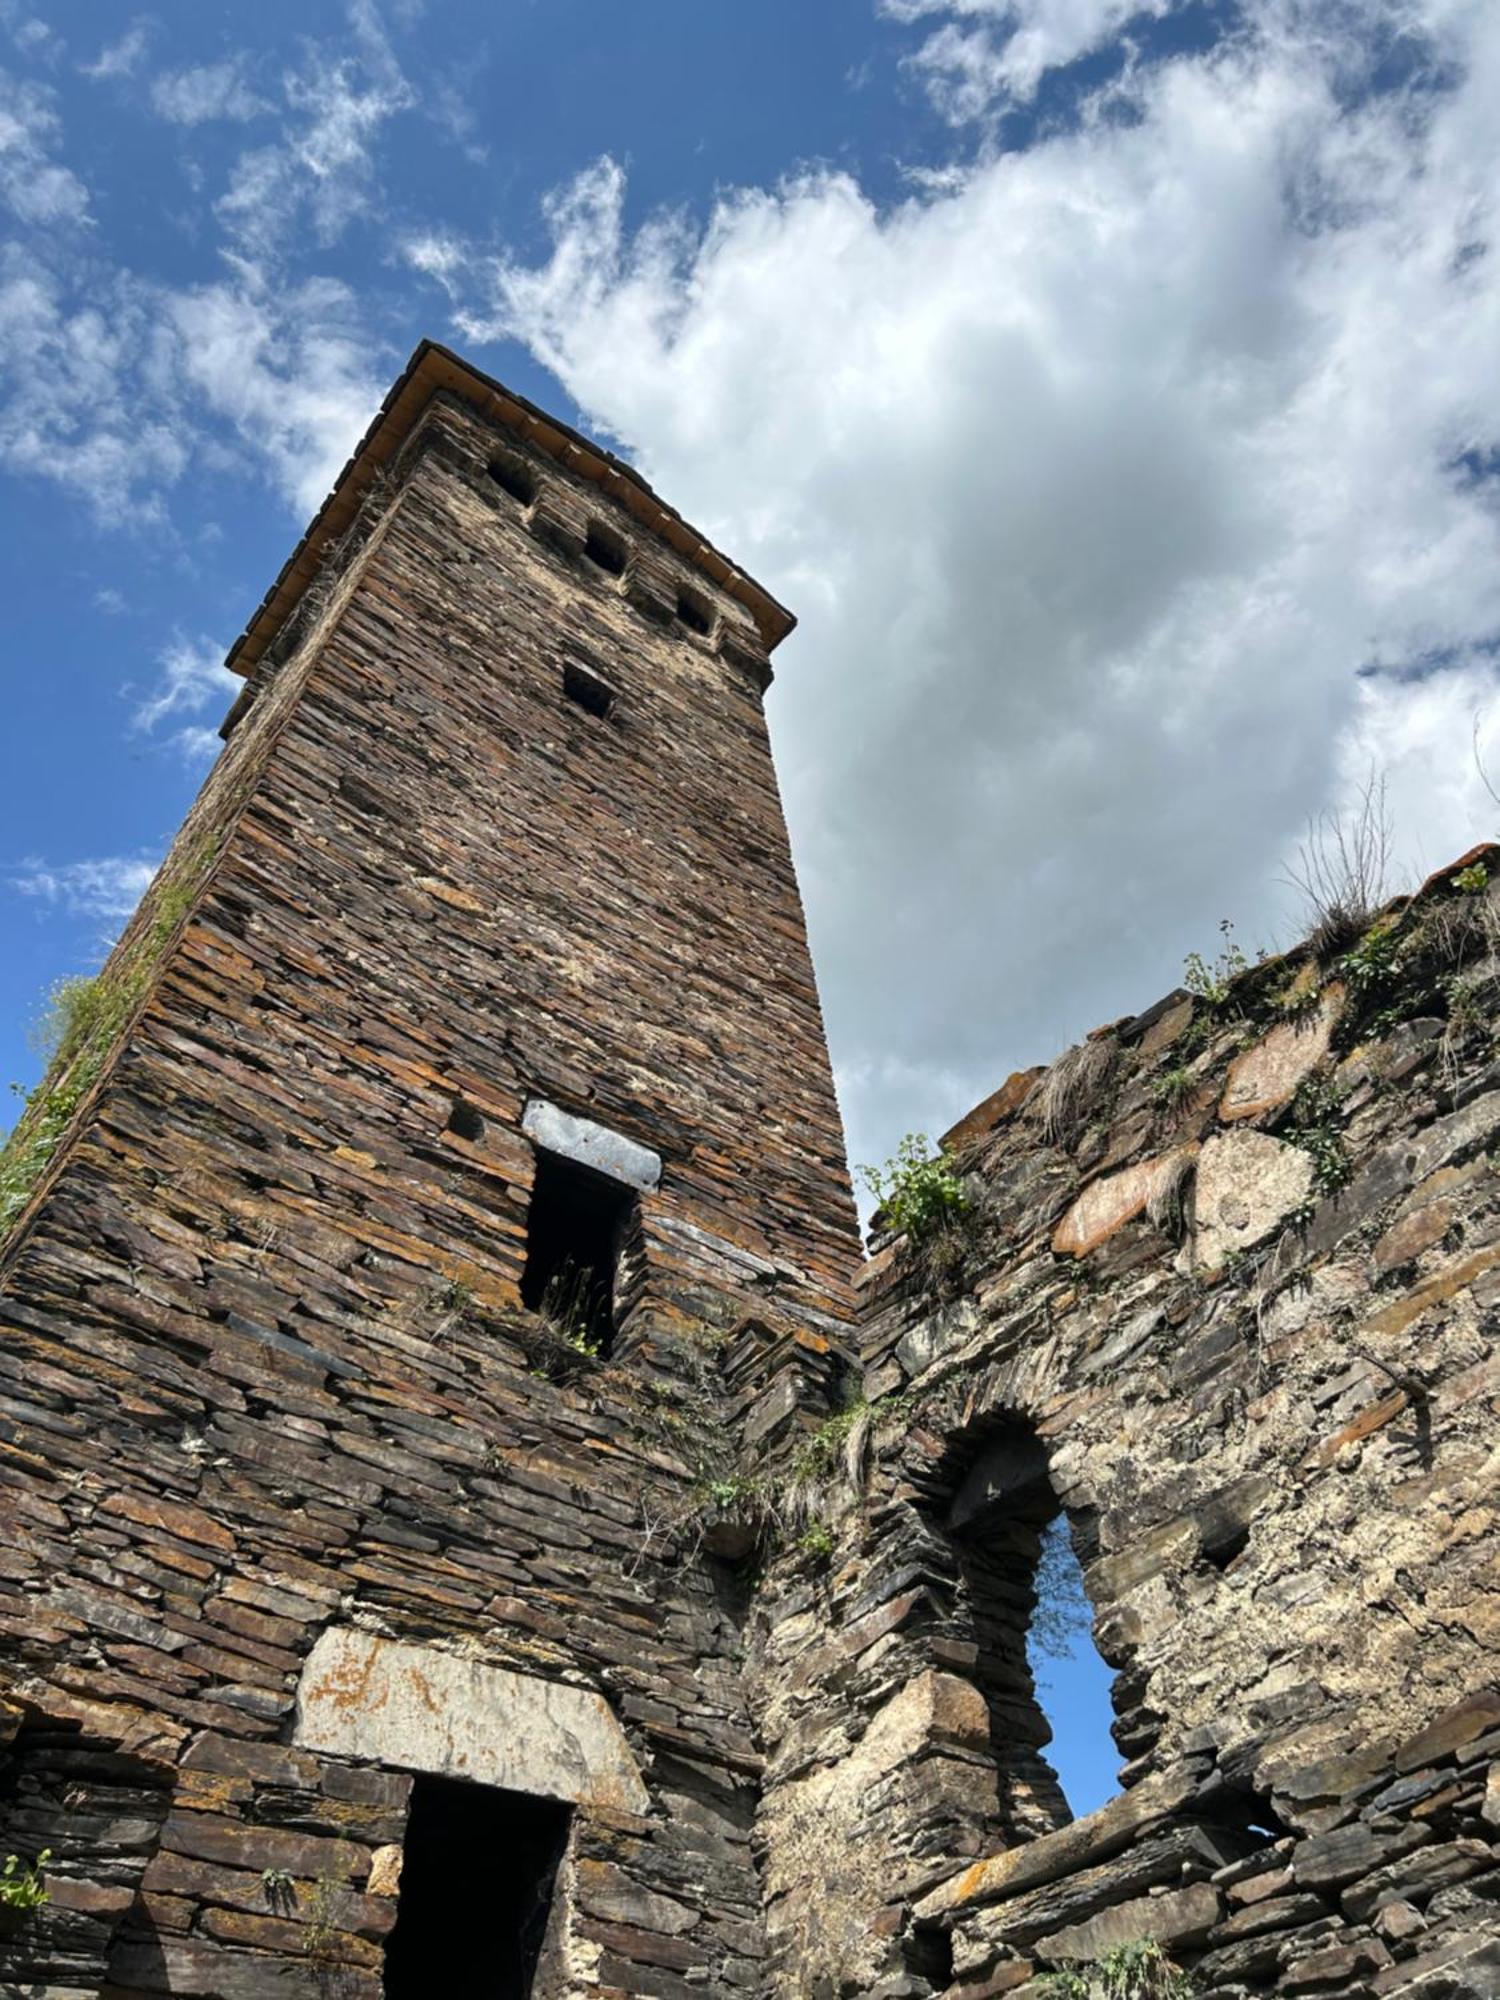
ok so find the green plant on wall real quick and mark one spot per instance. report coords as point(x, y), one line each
point(916, 1190)
point(22, 1887)
point(80, 1024)
point(1139, 1970)
point(1210, 981)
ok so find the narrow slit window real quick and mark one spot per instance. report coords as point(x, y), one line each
point(515, 477)
point(694, 612)
point(575, 1235)
point(605, 548)
point(589, 690)
point(478, 1868)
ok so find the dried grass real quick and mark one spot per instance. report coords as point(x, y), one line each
point(1070, 1089)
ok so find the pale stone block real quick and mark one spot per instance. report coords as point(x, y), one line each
point(418, 1709)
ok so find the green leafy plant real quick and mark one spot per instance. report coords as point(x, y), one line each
point(1297, 1000)
point(1173, 1088)
point(1210, 982)
point(22, 1888)
point(1373, 962)
point(916, 1190)
point(1139, 1970)
point(1315, 1127)
point(1471, 881)
point(815, 1543)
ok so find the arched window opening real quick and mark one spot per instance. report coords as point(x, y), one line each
point(1074, 1685)
point(1050, 1697)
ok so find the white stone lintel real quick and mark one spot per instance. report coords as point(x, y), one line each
point(415, 1708)
point(590, 1145)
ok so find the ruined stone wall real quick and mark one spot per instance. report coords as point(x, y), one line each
point(264, 1373)
point(1226, 1290)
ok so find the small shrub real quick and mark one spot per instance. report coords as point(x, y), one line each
point(1373, 962)
point(1343, 870)
point(1172, 1088)
point(916, 1190)
point(815, 1543)
point(1315, 1128)
point(1296, 1001)
point(22, 1888)
point(1139, 1970)
point(1471, 881)
point(1210, 983)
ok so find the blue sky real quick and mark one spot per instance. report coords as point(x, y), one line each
point(1112, 389)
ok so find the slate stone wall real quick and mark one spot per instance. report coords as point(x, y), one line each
point(264, 1368)
point(1230, 1274)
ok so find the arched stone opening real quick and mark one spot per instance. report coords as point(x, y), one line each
point(993, 1502)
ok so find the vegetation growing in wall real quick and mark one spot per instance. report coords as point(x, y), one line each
point(916, 1191)
point(79, 1027)
point(1139, 1970)
point(22, 1885)
point(1210, 980)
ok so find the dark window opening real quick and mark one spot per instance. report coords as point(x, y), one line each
point(591, 691)
point(465, 1121)
point(604, 547)
point(477, 1873)
point(575, 1236)
point(515, 477)
point(694, 612)
point(929, 1954)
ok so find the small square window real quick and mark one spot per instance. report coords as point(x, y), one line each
point(591, 691)
point(605, 548)
point(695, 612)
point(515, 477)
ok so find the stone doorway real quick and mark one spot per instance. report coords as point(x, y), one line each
point(478, 1870)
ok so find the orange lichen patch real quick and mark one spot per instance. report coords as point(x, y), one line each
point(1108, 1203)
point(1369, 1420)
point(1268, 1074)
point(1397, 1317)
point(1000, 1105)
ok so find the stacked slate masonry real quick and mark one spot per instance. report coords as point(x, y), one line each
point(1224, 1295)
point(283, 1443)
point(379, 1612)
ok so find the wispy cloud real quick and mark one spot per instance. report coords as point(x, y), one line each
point(106, 890)
point(323, 165)
point(123, 57)
point(995, 52)
point(191, 677)
point(212, 91)
point(33, 185)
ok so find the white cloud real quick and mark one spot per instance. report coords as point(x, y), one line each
point(121, 58)
point(107, 890)
point(111, 386)
point(1097, 475)
point(192, 677)
point(211, 91)
point(292, 373)
point(1000, 49)
point(323, 165)
point(69, 357)
point(34, 186)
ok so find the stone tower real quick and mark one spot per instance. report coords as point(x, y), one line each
point(441, 1174)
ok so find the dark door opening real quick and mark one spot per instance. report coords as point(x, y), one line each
point(575, 1233)
point(476, 1884)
